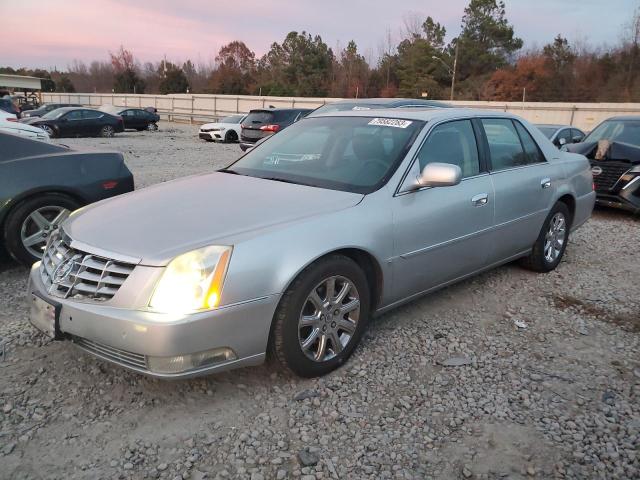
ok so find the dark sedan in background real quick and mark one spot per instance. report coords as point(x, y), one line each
point(561, 134)
point(46, 108)
point(41, 184)
point(261, 123)
point(135, 118)
point(77, 122)
point(613, 148)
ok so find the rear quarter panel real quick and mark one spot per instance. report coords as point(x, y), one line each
point(77, 174)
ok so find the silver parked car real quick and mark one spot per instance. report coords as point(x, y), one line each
point(293, 248)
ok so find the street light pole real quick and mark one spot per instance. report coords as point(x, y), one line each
point(452, 71)
point(453, 75)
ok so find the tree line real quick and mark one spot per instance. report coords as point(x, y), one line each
point(487, 58)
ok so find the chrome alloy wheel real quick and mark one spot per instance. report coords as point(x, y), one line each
point(39, 225)
point(329, 318)
point(555, 237)
point(48, 130)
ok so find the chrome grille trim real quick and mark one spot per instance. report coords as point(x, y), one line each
point(70, 273)
point(121, 357)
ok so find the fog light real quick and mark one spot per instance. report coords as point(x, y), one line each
point(184, 363)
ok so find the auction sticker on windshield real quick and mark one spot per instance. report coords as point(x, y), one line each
point(390, 122)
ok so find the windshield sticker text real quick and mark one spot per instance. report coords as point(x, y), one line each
point(390, 122)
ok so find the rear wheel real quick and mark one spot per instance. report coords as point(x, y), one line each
point(321, 317)
point(152, 127)
point(31, 222)
point(551, 244)
point(107, 131)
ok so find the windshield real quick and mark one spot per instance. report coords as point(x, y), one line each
point(232, 119)
point(344, 106)
point(548, 131)
point(355, 154)
point(625, 131)
point(53, 114)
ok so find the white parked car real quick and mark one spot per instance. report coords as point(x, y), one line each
point(9, 124)
point(226, 130)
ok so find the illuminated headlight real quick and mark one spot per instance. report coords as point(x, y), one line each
point(192, 282)
point(183, 363)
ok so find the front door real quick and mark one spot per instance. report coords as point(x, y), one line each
point(441, 233)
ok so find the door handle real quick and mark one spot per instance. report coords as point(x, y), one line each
point(545, 182)
point(480, 199)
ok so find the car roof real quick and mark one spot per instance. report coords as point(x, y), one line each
point(418, 113)
point(256, 110)
point(392, 102)
point(624, 117)
point(553, 125)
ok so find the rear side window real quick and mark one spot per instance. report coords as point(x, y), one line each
point(452, 142)
point(258, 118)
point(504, 144)
point(531, 149)
point(286, 116)
point(90, 114)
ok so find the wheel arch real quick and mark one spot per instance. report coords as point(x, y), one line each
point(15, 202)
point(570, 201)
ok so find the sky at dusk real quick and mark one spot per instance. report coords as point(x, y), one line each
point(52, 33)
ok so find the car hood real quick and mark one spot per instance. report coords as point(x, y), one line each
point(31, 120)
point(155, 224)
point(213, 125)
point(616, 151)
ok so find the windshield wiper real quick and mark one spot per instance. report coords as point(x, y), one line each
point(228, 170)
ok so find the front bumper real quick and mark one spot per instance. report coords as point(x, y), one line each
point(130, 338)
point(214, 135)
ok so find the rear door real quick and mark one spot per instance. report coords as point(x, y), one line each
point(524, 185)
point(442, 233)
point(129, 119)
point(93, 121)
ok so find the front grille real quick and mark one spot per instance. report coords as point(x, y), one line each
point(611, 172)
point(70, 273)
point(122, 357)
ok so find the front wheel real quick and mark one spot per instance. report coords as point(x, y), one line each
point(551, 244)
point(231, 137)
point(107, 131)
point(48, 130)
point(321, 317)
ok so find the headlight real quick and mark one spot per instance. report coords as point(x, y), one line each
point(192, 281)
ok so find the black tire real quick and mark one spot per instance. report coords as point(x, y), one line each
point(231, 137)
point(19, 214)
point(284, 344)
point(536, 260)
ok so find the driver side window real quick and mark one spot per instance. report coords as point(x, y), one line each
point(452, 142)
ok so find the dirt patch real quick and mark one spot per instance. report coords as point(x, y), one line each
point(629, 321)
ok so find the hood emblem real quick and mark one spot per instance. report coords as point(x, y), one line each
point(63, 271)
point(595, 171)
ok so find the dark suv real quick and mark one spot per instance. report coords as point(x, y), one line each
point(259, 124)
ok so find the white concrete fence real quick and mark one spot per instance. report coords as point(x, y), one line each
point(200, 108)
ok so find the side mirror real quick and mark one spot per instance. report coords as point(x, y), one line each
point(562, 141)
point(577, 139)
point(439, 175)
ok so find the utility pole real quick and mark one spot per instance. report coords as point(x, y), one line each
point(455, 65)
point(451, 70)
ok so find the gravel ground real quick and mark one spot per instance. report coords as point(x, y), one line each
point(509, 375)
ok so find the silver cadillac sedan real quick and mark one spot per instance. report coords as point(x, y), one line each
point(292, 249)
